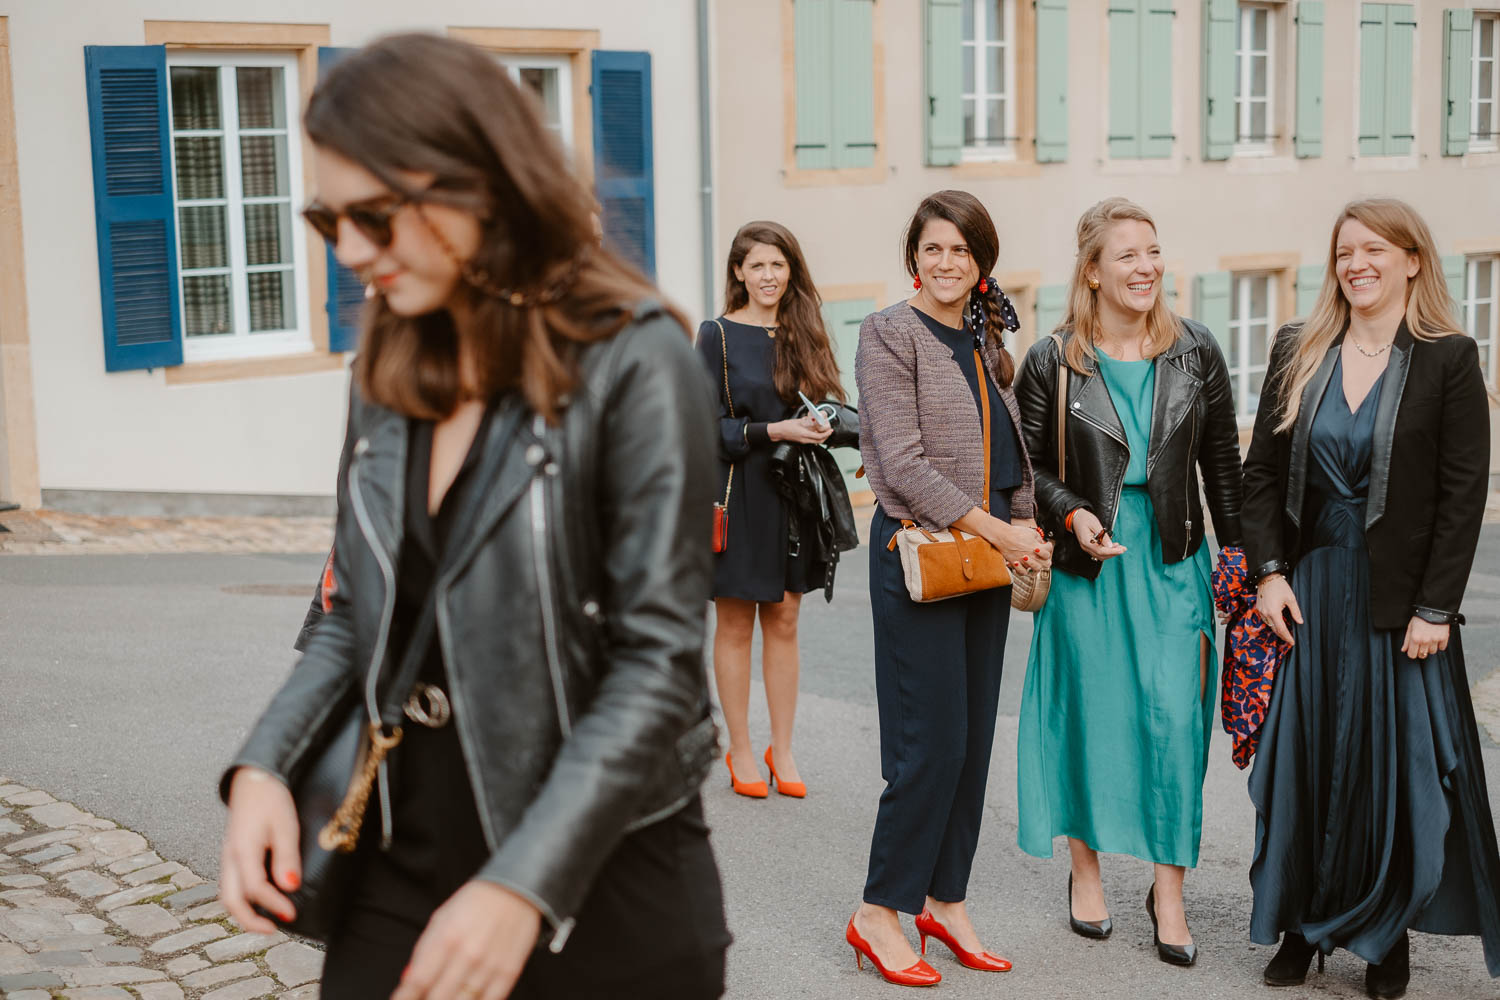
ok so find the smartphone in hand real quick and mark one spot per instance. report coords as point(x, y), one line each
point(817, 414)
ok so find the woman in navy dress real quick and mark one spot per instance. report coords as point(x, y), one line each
point(769, 343)
point(1365, 487)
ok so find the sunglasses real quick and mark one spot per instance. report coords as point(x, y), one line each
point(372, 218)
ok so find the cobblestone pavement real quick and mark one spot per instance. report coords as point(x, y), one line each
point(50, 532)
point(89, 912)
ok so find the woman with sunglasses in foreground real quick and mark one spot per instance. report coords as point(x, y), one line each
point(530, 481)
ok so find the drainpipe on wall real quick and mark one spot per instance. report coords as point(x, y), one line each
point(706, 157)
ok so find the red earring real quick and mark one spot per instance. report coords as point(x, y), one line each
point(916, 282)
point(984, 285)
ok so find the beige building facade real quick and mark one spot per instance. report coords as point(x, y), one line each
point(1242, 126)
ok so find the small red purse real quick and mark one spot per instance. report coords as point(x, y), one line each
point(721, 510)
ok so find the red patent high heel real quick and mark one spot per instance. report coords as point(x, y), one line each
point(928, 926)
point(749, 789)
point(791, 789)
point(920, 974)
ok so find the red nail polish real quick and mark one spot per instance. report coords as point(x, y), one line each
point(291, 881)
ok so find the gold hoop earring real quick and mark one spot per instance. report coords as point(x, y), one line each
point(1094, 284)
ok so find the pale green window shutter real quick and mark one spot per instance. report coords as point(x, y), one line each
point(813, 66)
point(1169, 290)
point(1400, 39)
point(854, 83)
point(1458, 28)
point(843, 319)
point(1051, 81)
point(1309, 136)
point(1220, 20)
point(1211, 307)
point(1051, 306)
point(1157, 133)
point(1309, 284)
point(1124, 79)
point(945, 112)
point(1456, 274)
point(1372, 72)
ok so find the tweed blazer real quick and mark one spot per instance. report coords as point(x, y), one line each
point(921, 437)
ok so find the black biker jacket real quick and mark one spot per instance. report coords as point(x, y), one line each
point(1192, 426)
point(570, 619)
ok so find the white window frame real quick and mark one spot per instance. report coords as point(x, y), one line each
point(1474, 297)
point(1485, 143)
point(1240, 322)
point(974, 51)
point(514, 62)
point(242, 343)
point(1243, 75)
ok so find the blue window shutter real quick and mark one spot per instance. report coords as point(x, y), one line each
point(1308, 141)
point(1372, 73)
point(1456, 275)
point(623, 156)
point(854, 69)
point(1400, 53)
point(1051, 307)
point(843, 318)
point(1051, 81)
point(1124, 79)
point(134, 215)
point(1309, 284)
point(1211, 307)
point(1220, 21)
point(346, 295)
point(1157, 132)
point(1457, 45)
point(813, 71)
point(945, 83)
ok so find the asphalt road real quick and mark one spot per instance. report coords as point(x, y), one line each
point(127, 681)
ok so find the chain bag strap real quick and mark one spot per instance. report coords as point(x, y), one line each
point(721, 510)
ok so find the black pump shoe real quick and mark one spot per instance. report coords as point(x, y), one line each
point(1096, 930)
point(1289, 967)
point(1173, 954)
point(1387, 980)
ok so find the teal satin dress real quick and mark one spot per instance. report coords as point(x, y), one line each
point(1115, 718)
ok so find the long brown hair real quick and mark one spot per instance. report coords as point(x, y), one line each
point(1430, 312)
point(973, 222)
point(1082, 317)
point(417, 102)
point(804, 353)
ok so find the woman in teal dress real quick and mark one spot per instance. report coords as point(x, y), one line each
point(1120, 685)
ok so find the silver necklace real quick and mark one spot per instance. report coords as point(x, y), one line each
point(1369, 354)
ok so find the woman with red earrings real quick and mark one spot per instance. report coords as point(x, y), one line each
point(937, 665)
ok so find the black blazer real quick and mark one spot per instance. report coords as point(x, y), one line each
point(1422, 524)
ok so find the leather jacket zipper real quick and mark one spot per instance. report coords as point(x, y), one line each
point(387, 612)
point(1120, 486)
point(1187, 487)
point(544, 582)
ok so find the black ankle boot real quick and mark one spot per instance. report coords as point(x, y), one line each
point(1289, 967)
point(1388, 979)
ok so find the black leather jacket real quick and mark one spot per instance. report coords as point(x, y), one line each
point(570, 620)
point(1192, 426)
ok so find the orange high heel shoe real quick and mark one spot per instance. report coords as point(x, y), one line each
point(920, 974)
point(928, 926)
point(749, 789)
point(792, 789)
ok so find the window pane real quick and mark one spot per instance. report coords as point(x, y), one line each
point(200, 168)
point(1258, 124)
point(262, 104)
point(969, 20)
point(1259, 290)
point(994, 15)
point(971, 53)
point(271, 301)
point(1259, 19)
point(1486, 71)
point(1484, 121)
point(542, 81)
point(1484, 358)
point(1481, 329)
point(1260, 339)
point(195, 97)
point(205, 305)
point(1482, 277)
point(1258, 70)
point(996, 123)
point(995, 69)
point(1252, 398)
point(968, 121)
point(263, 164)
point(200, 230)
point(268, 234)
point(1486, 28)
